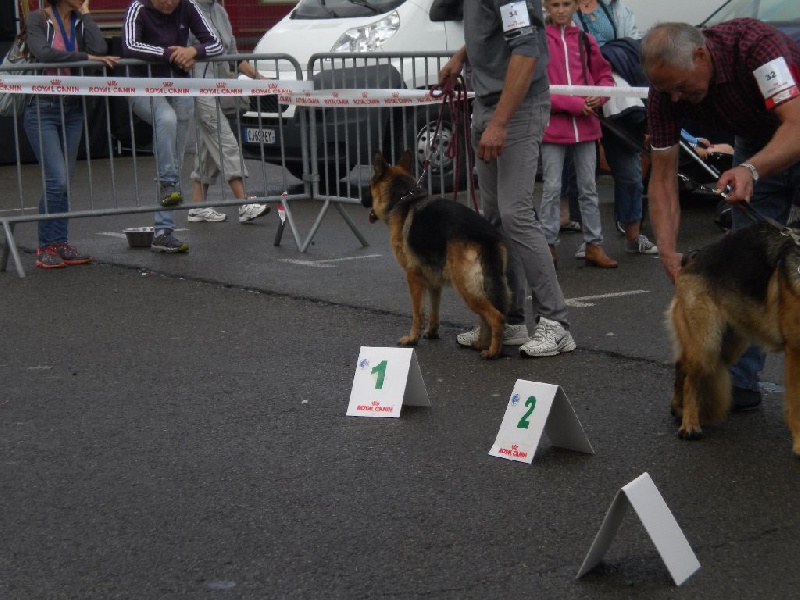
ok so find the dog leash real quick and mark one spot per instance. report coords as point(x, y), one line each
point(454, 99)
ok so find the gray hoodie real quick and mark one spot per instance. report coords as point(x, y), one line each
point(218, 19)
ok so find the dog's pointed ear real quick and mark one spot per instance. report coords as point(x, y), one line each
point(379, 165)
point(407, 162)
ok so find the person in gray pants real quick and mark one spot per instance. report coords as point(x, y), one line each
point(506, 49)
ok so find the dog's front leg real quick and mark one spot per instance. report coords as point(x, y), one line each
point(792, 395)
point(416, 289)
point(432, 331)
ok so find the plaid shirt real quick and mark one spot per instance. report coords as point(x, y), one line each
point(734, 102)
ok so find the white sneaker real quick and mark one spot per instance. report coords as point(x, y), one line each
point(641, 245)
point(513, 335)
point(248, 212)
point(581, 252)
point(548, 339)
point(198, 215)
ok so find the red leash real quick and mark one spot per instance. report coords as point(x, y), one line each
point(454, 98)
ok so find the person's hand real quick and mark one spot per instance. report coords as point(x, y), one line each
point(109, 61)
point(452, 68)
point(739, 180)
point(492, 142)
point(183, 56)
point(84, 8)
point(590, 104)
point(671, 263)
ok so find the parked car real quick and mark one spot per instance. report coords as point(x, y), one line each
point(350, 136)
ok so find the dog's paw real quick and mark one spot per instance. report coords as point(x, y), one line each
point(407, 341)
point(486, 355)
point(431, 335)
point(690, 434)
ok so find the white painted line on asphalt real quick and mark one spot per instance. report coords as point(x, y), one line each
point(586, 301)
point(325, 264)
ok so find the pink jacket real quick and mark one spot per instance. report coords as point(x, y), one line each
point(567, 124)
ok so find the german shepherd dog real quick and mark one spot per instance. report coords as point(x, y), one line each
point(439, 242)
point(743, 288)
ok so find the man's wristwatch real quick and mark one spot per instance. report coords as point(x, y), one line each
point(752, 169)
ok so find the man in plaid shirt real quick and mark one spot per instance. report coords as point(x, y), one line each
point(741, 77)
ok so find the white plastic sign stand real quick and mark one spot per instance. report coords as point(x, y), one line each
point(536, 408)
point(661, 526)
point(385, 380)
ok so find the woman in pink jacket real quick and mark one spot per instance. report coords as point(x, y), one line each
point(575, 59)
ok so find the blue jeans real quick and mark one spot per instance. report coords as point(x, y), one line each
point(54, 137)
point(584, 161)
point(772, 197)
point(170, 118)
point(626, 169)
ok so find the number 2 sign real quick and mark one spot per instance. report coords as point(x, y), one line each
point(385, 380)
point(535, 408)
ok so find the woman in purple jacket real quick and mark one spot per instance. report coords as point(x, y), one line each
point(575, 59)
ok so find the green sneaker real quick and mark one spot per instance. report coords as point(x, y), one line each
point(166, 242)
point(170, 194)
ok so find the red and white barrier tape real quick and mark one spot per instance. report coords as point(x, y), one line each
point(300, 93)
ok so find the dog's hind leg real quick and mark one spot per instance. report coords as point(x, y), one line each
point(792, 395)
point(416, 289)
point(435, 296)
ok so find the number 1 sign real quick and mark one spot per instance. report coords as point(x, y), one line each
point(385, 379)
point(536, 408)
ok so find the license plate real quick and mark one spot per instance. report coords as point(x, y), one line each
point(254, 135)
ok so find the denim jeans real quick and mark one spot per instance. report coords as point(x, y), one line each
point(626, 169)
point(584, 160)
point(54, 136)
point(772, 197)
point(506, 188)
point(170, 118)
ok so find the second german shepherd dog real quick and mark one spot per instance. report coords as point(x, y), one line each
point(745, 287)
point(439, 242)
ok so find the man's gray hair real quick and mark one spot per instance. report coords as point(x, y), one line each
point(670, 44)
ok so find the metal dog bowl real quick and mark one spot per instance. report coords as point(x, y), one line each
point(139, 237)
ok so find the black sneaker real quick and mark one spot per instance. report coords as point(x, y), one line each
point(166, 242)
point(48, 257)
point(170, 194)
point(71, 255)
point(744, 399)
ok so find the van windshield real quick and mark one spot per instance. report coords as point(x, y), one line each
point(342, 9)
point(765, 10)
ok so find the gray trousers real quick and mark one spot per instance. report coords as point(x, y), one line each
point(217, 148)
point(506, 186)
point(584, 159)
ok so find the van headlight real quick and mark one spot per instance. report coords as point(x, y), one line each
point(368, 38)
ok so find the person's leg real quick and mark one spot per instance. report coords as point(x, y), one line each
point(158, 112)
point(205, 170)
point(42, 123)
point(772, 197)
point(550, 209)
point(487, 186)
point(516, 331)
point(584, 158)
point(516, 170)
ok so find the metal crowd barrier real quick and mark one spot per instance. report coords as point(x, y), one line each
point(345, 135)
point(118, 148)
point(325, 135)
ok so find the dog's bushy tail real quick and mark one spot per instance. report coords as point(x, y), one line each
point(494, 276)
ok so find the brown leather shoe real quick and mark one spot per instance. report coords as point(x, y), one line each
point(554, 254)
point(596, 256)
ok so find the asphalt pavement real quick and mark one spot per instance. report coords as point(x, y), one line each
point(174, 427)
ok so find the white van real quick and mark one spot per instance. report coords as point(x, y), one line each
point(345, 137)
